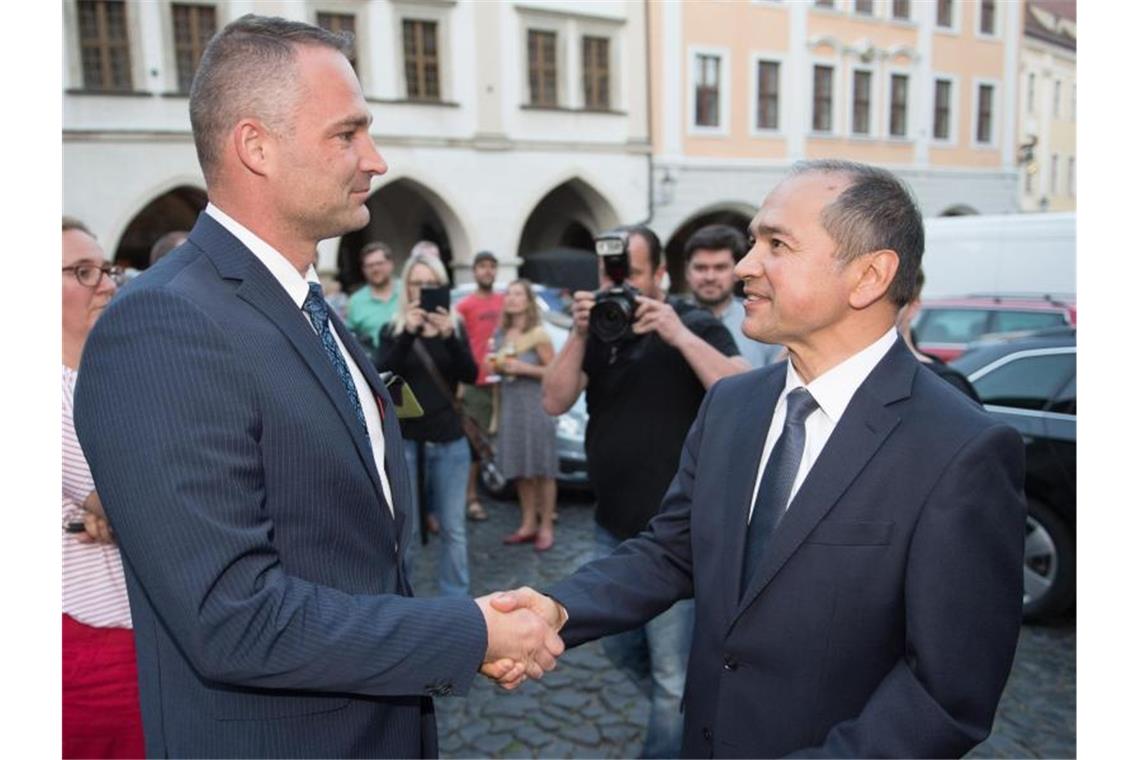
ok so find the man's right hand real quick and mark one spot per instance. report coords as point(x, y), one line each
point(583, 303)
point(520, 636)
point(524, 597)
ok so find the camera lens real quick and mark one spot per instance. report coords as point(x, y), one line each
point(611, 317)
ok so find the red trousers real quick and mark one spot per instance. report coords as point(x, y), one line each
point(100, 692)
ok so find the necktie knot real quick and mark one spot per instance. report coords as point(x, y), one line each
point(800, 405)
point(315, 305)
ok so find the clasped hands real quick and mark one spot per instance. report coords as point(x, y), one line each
point(522, 635)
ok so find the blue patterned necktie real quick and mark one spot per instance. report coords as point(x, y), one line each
point(318, 311)
point(776, 483)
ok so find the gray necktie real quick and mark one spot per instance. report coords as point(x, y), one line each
point(776, 483)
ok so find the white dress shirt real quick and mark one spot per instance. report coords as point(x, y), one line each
point(832, 391)
point(298, 289)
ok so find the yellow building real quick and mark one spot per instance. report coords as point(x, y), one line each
point(1048, 106)
point(741, 89)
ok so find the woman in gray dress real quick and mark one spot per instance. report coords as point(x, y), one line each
point(521, 350)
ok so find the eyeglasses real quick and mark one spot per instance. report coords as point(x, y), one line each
point(423, 283)
point(90, 275)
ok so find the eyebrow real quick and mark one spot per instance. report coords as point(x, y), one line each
point(360, 120)
point(770, 230)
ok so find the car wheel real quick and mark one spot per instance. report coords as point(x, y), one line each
point(1050, 564)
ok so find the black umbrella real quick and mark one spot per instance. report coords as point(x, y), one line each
point(571, 268)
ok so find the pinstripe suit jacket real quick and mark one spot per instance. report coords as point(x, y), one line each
point(272, 617)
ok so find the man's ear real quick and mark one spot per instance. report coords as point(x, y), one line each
point(875, 272)
point(253, 143)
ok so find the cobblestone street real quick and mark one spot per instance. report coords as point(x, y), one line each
point(583, 710)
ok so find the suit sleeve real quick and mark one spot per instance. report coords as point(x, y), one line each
point(963, 613)
point(648, 573)
point(181, 478)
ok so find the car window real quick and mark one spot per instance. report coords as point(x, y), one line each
point(1030, 382)
point(1018, 321)
point(1065, 402)
point(951, 325)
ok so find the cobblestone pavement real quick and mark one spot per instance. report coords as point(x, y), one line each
point(583, 710)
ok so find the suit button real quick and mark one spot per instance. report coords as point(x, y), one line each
point(730, 662)
point(705, 732)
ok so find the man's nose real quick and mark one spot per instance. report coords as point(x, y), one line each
point(751, 265)
point(371, 162)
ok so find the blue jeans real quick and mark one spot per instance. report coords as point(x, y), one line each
point(656, 657)
point(445, 484)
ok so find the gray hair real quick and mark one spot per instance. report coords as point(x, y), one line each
point(248, 69)
point(426, 248)
point(877, 212)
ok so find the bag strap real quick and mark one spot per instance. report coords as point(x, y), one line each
point(435, 374)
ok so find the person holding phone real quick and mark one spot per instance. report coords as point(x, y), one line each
point(426, 344)
point(100, 682)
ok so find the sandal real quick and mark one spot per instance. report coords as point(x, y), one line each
point(543, 542)
point(519, 538)
point(475, 511)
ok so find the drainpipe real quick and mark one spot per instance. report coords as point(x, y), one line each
point(648, 114)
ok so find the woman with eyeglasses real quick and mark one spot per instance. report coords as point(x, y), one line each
point(429, 349)
point(100, 682)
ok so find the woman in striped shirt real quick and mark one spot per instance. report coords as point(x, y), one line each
point(100, 683)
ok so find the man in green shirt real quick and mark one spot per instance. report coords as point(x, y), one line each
point(374, 303)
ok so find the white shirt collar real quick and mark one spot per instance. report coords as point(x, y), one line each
point(284, 272)
point(833, 389)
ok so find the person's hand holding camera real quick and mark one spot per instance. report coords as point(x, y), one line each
point(580, 310)
point(440, 320)
point(415, 318)
point(659, 317)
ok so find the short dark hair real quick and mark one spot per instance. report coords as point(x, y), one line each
point(650, 238)
point(876, 212)
point(717, 237)
point(248, 69)
point(373, 247)
point(71, 223)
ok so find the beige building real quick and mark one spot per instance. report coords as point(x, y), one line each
point(1048, 106)
point(512, 126)
point(741, 89)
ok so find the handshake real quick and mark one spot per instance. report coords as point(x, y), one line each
point(522, 635)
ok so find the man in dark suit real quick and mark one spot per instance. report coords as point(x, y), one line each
point(850, 526)
point(249, 457)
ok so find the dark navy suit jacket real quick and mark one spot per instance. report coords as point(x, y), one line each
point(884, 614)
point(271, 614)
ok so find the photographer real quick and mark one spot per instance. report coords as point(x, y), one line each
point(643, 389)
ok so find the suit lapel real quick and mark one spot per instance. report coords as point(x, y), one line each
point(262, 291)
point(866, 424)
point(752, 425)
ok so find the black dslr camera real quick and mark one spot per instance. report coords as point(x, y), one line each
point(611, 319)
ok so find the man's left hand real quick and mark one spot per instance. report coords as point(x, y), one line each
point(659, 317)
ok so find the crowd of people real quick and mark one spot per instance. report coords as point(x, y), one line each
point(760, 563)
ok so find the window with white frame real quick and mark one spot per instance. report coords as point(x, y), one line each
point(596, 72)
point(861, 103)
point(900, 10)
point(899, 84)
point(865, 7)
point(1072, 177)
point(194, 25)
point(1057, 99)
point(825, 4)
point(421, 59)
point(104, 45)
point(943, 92)
point(987, 18)
point(542, 71)
point(945, 14)
point(984, 128)
point(1054, 165)
point(706, 91)
point(1030, 91)
point(767, 94)
point(822, 83)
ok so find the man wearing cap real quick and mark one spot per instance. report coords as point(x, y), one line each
point(481, 312)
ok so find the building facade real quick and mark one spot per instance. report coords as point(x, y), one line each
point(741, 90)
point(1048, 107)
point(510, 126)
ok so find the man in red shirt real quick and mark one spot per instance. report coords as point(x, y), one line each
point(481, 312)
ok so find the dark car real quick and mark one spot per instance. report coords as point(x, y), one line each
point(944, 327)
point(1031, 384)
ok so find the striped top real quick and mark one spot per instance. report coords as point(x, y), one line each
point(94, 592)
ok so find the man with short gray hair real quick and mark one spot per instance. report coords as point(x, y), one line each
point(263, 508)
